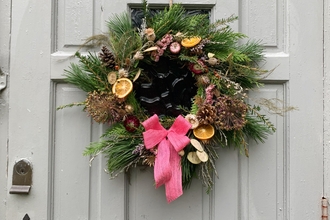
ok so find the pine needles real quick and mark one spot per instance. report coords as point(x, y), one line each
point(88, 75)
point(117, 145)
point(124, 40)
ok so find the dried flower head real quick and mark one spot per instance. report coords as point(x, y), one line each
point(209, 94)
point(150, 34)
point(122, 73)
point(231, 113)
point(203, 80)
point(213, 61)
point(192, 119)
point(104, 107)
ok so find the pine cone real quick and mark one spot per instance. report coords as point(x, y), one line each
point(107, 58)
point(206, 114)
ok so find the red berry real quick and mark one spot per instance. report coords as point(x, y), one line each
point(197, 68)
point(175, 47)
point(131, 123)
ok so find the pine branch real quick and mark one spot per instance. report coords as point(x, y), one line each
point(246, 75)
point(257, 127)
point(171, 19)
point(92, 64)
point(76, 76)
point(119, 24)
point(95, 148)
point(124, 39)
point(145, 9)
point(224, 22)
point(117, 145)
point(253, 50)
point(190, 59)
point(120, 156)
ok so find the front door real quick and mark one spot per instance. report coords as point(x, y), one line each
point(282, 178)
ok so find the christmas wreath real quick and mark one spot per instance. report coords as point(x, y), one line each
point(173, 90)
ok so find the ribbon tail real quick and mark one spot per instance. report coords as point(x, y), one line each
point(173, 187)
point(162, 168)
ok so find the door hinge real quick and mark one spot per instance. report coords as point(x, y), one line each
point(3, 80)
point(324, 208)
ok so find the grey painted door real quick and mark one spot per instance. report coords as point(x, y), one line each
point(282, 178)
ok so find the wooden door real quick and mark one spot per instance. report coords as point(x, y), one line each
point(282, 178)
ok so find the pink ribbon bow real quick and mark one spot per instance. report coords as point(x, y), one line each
point(167, 168)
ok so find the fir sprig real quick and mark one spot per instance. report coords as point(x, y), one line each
point(71, 105)
point(171, 19)
point(255, 110)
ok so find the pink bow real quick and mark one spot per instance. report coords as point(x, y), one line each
point(167, 168)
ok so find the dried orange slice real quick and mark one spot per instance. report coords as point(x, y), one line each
point(122, 87)
point(190, 42)
point(204, 132)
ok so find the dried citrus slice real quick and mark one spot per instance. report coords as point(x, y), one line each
point(112, 77)
point(202, 155)
point(190, 42)
point(196, 144)
point(192, 157)
point(122, 87)
point(204, 132)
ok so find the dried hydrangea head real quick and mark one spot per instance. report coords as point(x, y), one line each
point(150, 34)
point(122, 73)
point(231, 113)
point(104, 107)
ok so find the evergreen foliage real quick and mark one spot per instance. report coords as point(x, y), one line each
point(230, 76)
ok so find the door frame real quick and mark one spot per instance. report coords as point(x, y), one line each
point(326, 103)
point(5, 27)
point(16, 205)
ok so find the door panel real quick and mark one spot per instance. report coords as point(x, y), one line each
point(263, 179)
point(71, 169)
point(146, 202)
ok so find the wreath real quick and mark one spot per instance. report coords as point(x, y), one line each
point(173, 90)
